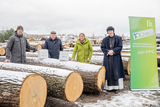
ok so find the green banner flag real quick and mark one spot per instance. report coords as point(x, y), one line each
point(144, 73)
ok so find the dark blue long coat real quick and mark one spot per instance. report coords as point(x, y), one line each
point(117, 60)
point(54, 47)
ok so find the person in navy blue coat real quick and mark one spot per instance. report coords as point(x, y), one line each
point(54, 45)
point(111, 47)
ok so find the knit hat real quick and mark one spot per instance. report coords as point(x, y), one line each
point(19, 27)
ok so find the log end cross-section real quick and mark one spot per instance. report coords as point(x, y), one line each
point(73, 87)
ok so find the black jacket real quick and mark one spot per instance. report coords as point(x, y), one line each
point(117, 60)
point(54, 47)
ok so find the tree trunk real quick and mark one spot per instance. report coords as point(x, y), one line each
point(20, 89)
point(129, 67)
point(98, 60)
point(93, 75)
point(61, 83)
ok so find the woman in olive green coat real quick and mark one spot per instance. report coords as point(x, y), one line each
point(83, 49)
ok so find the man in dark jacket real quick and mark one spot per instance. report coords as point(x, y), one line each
point(16, 47)
point(54, 45)
point(111, 47)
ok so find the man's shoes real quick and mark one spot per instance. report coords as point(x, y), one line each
point(115, 91)
point(109, 90)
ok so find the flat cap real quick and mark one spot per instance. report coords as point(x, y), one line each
point(53, 32)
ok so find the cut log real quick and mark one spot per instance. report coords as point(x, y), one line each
point(39, 46)
point(129, 66)
point(31, 40)
point(66, 45)
point(93, 75)
point(95, 55)
point(20, 89)
point(43, 39)
point(98, 60)
point(61, 83)
point(2, 51)
point(125, 64)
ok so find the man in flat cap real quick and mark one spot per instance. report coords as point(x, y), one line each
point(16, 47)
point(54, 45)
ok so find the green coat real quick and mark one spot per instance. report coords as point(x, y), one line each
point(83, 51)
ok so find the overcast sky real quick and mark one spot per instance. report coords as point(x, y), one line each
point(75, 16)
